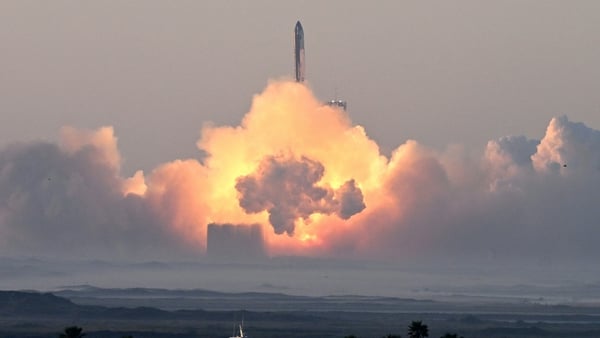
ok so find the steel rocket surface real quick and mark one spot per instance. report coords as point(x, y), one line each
point(299, 52)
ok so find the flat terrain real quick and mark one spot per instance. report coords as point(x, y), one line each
point(145, 312)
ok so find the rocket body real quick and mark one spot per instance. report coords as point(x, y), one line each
point(299, 52)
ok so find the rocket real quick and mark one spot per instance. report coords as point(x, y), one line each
point(299, 51)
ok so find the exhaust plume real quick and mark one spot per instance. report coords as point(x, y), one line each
point(314, 183)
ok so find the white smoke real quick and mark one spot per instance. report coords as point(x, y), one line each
point(521, 198)
point(568, 145)
point(68, 199)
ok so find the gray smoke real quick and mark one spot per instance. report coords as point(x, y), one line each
point(238, 242)
point(524, 199)
point(351, 199)
point(63, 203)
point(287, 189)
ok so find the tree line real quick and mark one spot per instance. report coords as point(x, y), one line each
point(416, 329)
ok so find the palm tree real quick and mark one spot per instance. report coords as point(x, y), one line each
point(72, 332)
point(417, 329)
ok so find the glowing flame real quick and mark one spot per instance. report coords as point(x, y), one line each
point(286, 119)
point(313, 181)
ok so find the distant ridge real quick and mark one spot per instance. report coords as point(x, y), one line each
point(19, 303)
point(46, 305)
point(90, 291)
point(29, 303)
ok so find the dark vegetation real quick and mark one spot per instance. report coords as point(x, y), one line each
point(31, 314)
point(72, 332)
point(417, 329)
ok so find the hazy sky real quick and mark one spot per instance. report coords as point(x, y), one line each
point(470, 73)
point(439, 72)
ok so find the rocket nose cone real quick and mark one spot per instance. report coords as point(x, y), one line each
point(298, 25)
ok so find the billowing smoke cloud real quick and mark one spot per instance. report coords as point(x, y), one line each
point(69, 199)
point(568, 144)
point(507, 158)
point(287, 189)
point(331, 192)
point(350, 200)
point(546, 202)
